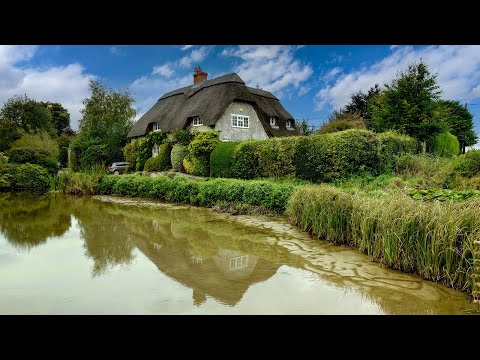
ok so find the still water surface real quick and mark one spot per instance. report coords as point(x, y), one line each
point(62, 254)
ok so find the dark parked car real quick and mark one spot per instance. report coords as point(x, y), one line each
point(118, 167)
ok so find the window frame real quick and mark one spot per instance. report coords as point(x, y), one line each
point(156, 127)
point(289, 124)
point(275, 123)
point(237, 120)
point(198, 120)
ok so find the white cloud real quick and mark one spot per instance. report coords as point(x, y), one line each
point(186, 47)
point(195, 56)
point(149, 88)
point(458, 68)
point(164, 70)
point(117, 50)
point(67, 85)
point(271, 67)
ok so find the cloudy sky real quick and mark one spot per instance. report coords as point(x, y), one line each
point(309, 80)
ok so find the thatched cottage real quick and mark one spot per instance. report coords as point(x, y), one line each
point(225, 104)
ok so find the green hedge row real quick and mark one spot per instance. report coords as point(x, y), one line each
point(23, 176)
point(265, 194)
point(445, 144)
point(320, 158)
point(469, 163)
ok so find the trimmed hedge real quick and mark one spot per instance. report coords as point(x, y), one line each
point(32, 156)
point(161, 162)
point(445, 144)
point(221, 160)
point(320, 158)
point(469, 163)
point(176, 157)
point(276, 157)
point(246, 160)
point(391, 146)
point(329, 157)
point(264, 194)
point(23, 176)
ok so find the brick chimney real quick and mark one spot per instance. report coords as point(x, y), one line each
point(199, 75)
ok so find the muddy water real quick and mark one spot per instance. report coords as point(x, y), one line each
point(61, 254)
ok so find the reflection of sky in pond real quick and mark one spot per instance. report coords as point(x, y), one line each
point(123, 258)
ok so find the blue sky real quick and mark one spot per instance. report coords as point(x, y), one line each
point(310, 80)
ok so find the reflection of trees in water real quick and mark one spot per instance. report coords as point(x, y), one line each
point(28, 219)
point(106, 238)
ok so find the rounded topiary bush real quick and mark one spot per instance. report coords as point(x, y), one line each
point(221, 160)
point(445, 144)
point(161, 162)
point(469, 163)
point(177, 155)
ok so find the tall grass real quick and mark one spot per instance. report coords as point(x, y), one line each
point(434, 240)
point(79, 183)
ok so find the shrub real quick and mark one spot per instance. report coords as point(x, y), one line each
point(24, 176)
point(181, 136)
point(146, 146)
point(329, 157)
point(39, 141)
point(276, 157)
point(469, 163)
point(343, 122)
point(246, 160)
point(33, 156)
point(197, 162)
point(444, 144)
point(161, 162)
point(391, 146)
point(3, 158)
point(196, 165)
point(221, 160)
point(131, 152)
point(177, 155)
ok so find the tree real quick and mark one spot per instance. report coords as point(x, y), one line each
point(304, 128)
point(408, 104)
point(107, 119)
point(28, 115)
point(359, 103)
point(460, 121)
point(60, 116)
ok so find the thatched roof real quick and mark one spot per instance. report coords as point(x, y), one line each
point(208, 100)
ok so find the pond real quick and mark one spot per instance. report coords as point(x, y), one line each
point(62, 254)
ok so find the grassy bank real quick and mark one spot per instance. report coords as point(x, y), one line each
point(432, 239)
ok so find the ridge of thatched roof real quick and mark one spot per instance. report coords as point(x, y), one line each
point(209, 100)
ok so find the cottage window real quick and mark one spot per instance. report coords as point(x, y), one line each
point(289, 124)
point(156, 127)
point(197, 121)
point(273, 121)
point(240, 121)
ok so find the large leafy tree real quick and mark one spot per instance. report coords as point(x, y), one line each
point(408, 104)
point(460, 121)
point(60, 116)
point(28, 115)
point(358, 103)
point(107, 119)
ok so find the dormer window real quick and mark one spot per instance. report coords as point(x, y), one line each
point(273, 121)
point(197, 121)
point(156, 127)
point(289, 124)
